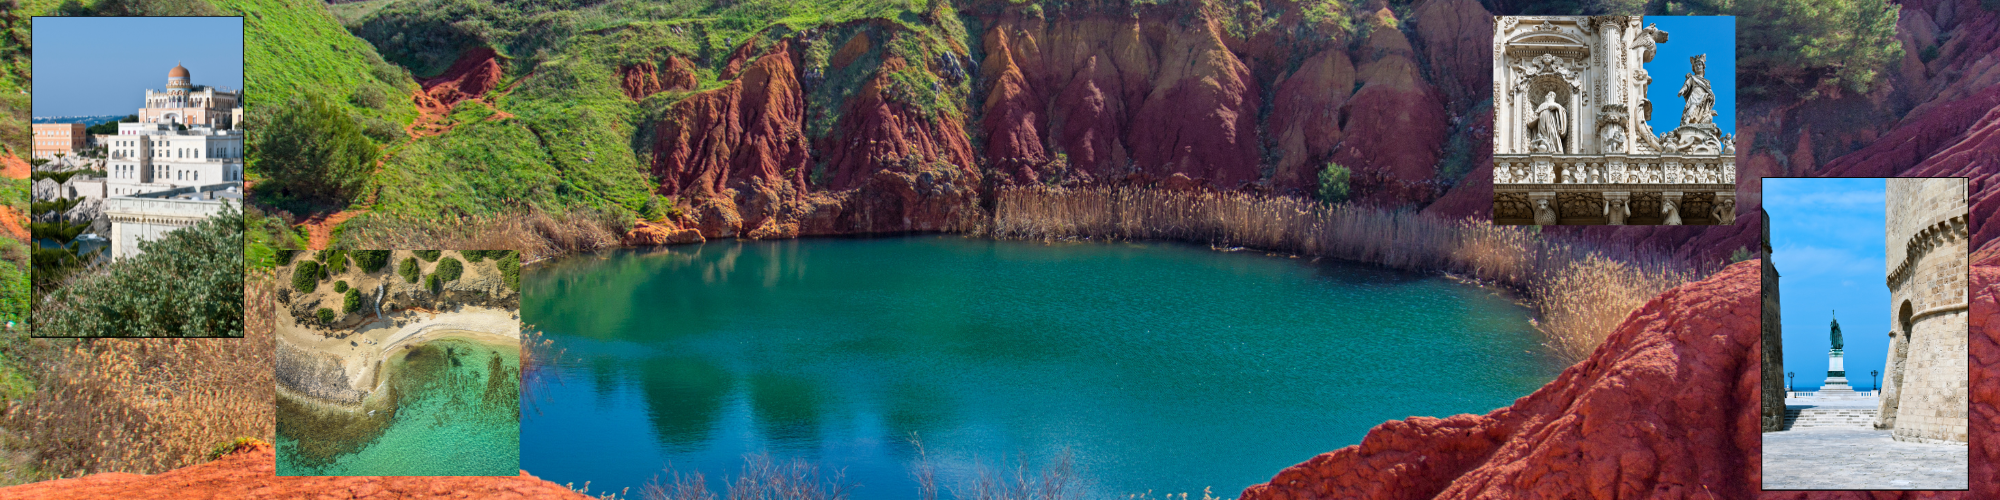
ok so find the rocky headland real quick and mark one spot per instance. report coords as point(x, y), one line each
point(337, 361)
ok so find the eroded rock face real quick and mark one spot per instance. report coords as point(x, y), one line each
point(645, 79)
point(249, 473)
point(1666, 408)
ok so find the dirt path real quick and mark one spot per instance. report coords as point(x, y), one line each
point(319, 228)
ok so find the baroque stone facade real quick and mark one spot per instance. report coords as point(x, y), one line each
point(1924, 397)
point(1571, 144)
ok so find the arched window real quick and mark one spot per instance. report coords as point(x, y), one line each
point(1903, 319)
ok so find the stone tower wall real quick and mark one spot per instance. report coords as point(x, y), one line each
point(1772, 349)
point(1927, 252)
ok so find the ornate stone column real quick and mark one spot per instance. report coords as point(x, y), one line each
point(1616, 207)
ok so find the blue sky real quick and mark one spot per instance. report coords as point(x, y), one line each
point(1688, 36)
point(103, 65)
point(1827, 243)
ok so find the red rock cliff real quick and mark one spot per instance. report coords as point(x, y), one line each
point(1666, 408)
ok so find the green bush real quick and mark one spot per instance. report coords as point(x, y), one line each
point(428, 255)
point(352, 302)
point(449, 269)
point(409, 269)
point(336, 263)
point(1801, 46)
point(431, 282)
point(323, 152)
point(285, 256)
point(1333, 183)
point(473, 255)
point(188, 283)
point(325, 316)
point(340, 286)
point(510, 269)
point(370, 261)
point(305, 276)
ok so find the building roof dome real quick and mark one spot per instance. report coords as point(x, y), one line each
point(177, 72)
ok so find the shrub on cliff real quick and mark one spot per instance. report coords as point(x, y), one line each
point(1803, 45)
point(1333, 183)
point(371, 261)
point(340, 286)
point(305, 276)
point(336, 263)
point(428, 255)
point(315, 152)
point(325, 316)
point(284, 256)
point(431, 282)
point(351, 302)
point(473, 255)
point(408, 269)
point(510, 270)
point(188, 283)
point(449, 269)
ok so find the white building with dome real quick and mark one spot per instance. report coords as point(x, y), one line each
point(184, 137)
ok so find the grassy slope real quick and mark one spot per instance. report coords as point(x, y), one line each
point(576, 140)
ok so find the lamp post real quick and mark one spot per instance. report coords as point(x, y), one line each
point(1871, 380)
point(1788, 380)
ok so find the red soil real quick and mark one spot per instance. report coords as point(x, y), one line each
point(14, 167)
point(319, 228)
point(643, 79)
point(476, 72)
point(249, 473)
point(13, 223)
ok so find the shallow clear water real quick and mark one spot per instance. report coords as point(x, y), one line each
point(452, 410)
point(1155, 366)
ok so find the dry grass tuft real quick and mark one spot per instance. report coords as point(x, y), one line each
point(145, 405)
point(1583, 302)
point(1583, 293)
point(538, 235)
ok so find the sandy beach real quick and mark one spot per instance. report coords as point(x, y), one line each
point(361, 351)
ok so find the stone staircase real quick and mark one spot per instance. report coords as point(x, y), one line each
point(1821, 418)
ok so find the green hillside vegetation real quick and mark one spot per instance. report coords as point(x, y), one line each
point(188, 283)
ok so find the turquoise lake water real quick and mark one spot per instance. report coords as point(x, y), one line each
point(453, 409)
point(1155, 366)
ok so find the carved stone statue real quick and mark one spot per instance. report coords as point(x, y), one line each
point(1613, 137)
point(1673, 214)
point(1700, 109)
point(1544, 214)
point(1647, 42)
point(1725, 211)
point(1616, 212)
point(1646, 136)
point(1547, 127)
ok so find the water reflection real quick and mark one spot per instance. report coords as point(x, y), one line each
point(685, 396)
point(1163, 367)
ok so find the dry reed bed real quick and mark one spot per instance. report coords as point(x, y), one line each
point(1581, 292)
point(146, 405)
point(537, 234)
